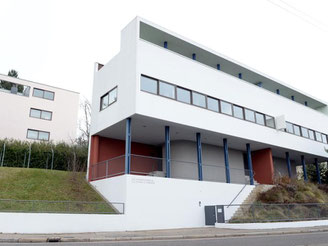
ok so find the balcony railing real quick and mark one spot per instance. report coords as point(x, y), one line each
point(180, 169)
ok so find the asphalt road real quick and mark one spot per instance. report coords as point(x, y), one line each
point(308, 239)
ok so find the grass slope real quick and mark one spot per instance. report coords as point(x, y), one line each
point(51, 185)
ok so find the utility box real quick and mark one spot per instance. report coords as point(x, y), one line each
point(214, 214)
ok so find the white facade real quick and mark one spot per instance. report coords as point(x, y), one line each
point(55, 113)
point(142, 53)
point(158, 81)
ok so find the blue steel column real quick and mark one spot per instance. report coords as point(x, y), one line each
point(318, 170)
point(199, 157)
point(304, 168)
point(250, 165)
point(288, 165)
point(167, 151)
point(226, 159)
point(128, 146)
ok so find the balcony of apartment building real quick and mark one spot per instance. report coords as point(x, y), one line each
point(14, 88)
point(142, 145)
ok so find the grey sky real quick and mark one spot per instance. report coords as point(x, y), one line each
point(57, 42)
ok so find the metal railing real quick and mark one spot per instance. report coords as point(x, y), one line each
point(252, 213)
point(180, 169)
point(70, 207)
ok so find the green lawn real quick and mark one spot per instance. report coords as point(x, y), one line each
point(51, 185)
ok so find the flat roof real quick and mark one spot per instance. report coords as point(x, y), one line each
point(157, 35)
point(8, 78)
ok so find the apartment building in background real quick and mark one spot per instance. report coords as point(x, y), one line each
point(177, 126)
point(34, 111)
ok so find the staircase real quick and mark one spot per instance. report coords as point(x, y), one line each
point(251, 199)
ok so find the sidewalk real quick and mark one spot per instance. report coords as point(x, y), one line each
point(208, 232)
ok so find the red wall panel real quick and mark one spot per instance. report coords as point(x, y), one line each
point(263, 166)
point(103, 149)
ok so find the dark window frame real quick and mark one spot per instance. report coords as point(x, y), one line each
point(256, 121)
point(107, 94)
point(242, 111)
point(253, 114)
point(41, 110)
point(190, 96)
point(43, 91)
point(157, 85)
point(230, 108)
point(220, 109)
point(38, 138)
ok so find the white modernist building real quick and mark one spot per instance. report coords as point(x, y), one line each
point(34, 111)
point(177, 126)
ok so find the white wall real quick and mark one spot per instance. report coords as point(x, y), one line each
point(121, 72)
point(273, 225)
point(114, 190)
point(15, 111)
point(184, 162)
point(191, 74)
point(60, 223)
point(166, 203)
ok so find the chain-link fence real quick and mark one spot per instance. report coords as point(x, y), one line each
point(251, 213)
point(43, 206)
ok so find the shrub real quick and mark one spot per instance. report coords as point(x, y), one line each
point(71, 157)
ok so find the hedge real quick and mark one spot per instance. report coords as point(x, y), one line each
point(70, 157)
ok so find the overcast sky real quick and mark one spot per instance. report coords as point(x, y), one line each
point(57, 42)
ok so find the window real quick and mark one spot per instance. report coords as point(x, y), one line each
point(289, 128)
point(35, 113)
point(183, 95)
point(49, 95)
point(269, 121)
point(249, 115)
point(305, 132)
point(297, 130)
point(43, 94)
point(40, 114)
point(198, 99)
point(213, 104)
point(318, 136)
point(32, 134)
point(238, 112)
point(46, 115)
point(226, 108)
point(37, 93)
point(38, 135)
point(149, 84)
point(112, 96)
point(311, 135)
point(324, 138)
point(109, 98)
point(166, 90)
point(259, 119)
point(104, 101)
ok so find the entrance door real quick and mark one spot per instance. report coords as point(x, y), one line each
point(210, 217)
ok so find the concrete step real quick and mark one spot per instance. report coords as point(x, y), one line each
point(252, 197)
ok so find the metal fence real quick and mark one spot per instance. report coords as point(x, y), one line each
point(70, 207)
point(180, 169)
point(251, 213)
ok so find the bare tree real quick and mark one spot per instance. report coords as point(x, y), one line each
point(84, 124)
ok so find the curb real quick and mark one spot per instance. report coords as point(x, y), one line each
point(149, 238)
